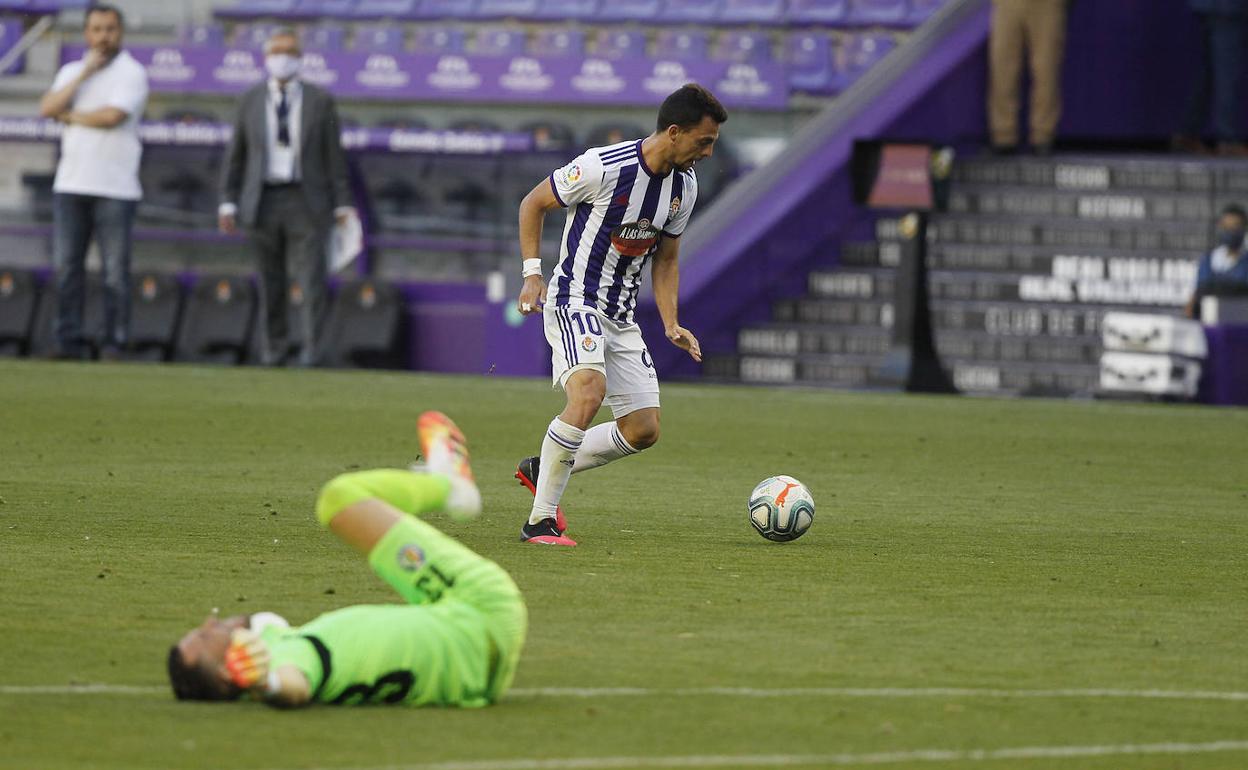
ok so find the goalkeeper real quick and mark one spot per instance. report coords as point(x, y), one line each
point(456, 642)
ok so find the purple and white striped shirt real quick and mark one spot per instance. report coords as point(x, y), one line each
point(618, 211)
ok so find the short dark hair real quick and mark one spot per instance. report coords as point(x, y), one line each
point(105, 8)
point(193, 682)
point(686, 106)
point(1235, 210)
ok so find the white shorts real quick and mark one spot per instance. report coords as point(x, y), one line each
point(583, 338)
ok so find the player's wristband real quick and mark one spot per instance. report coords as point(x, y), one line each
point(531, 267)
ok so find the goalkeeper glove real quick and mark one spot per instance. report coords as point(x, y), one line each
point(247, 658)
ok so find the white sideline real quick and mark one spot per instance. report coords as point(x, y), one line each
point(823, 760)
point(729, 692)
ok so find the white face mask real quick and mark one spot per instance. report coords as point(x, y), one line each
point(282, 66)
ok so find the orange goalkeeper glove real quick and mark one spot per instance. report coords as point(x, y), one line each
point(247, 658)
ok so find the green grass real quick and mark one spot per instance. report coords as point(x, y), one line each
point(958, 543)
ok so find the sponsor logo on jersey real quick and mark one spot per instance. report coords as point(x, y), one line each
point(411, 557)
point(589, 344)
point(635, 239)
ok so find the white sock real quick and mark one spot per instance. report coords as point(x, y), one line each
point(558, 455)
point(603, 443)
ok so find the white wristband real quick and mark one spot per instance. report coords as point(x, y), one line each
point(531, 267)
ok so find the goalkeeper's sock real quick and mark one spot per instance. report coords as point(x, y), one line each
point(558, 455)
point(413, 493)
point(603, 443)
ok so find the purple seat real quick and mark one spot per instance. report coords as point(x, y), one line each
point(14, 5)
point(811, 66)
point(633, 10)
point(860, 53)
point(438, 38)
point(202, 36)
point(379, 38)
point(868, 12)
point(747, 47)
point(621, 43)
point(10, 33)
point(254, 36)
point(504, 9)
point(752, 12)
point(829, 12)
point(447, 9)
point(921, 10)
point(682, 44)
point(322, 9)
point(324, 37)
point(500, 41)
point(386, 9)
point(254, 9)
point(556, 41)
point(559, 10)
point(690, 11)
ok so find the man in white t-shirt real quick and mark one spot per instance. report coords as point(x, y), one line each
point(100, 99)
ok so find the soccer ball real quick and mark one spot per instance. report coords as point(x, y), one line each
point(781, 508)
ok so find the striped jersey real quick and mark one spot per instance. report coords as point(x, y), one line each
point(618, 211)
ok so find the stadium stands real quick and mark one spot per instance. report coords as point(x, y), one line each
point(378, 38)
point(217, 324)
point(743, 46)
point(620, 43)
point(155, 308)
point(19, 297)
point(751, 11)
point(559, 41)
point(567, 10)
point(825, 12)
point(501, 40)
point(363, 327)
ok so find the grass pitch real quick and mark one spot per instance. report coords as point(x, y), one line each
point(968, 558)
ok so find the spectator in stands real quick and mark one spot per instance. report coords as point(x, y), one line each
point(1223, 35)
point(285, 182)
point(1035, 29)
point(100, 99)
point(1224, 270)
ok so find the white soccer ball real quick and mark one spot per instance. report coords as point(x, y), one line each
point(781, 508)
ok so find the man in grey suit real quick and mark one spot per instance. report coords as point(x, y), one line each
point(285, 182)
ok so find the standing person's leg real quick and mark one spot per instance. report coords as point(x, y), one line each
point(307, 243)
point(1046, 47)
point(114, 223)
point(71, 234)
point(632, 395)
point(578, 355)
point(268, 243)
point(1005, 67)
point(1199, 97)
point(1227, 52)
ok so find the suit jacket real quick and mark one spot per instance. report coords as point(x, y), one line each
point(322, 164)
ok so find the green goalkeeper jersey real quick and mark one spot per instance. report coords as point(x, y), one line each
point(419, 655)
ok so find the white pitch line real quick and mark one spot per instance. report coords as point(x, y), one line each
point(725, 692)
point(869, 692)
point(824, 760)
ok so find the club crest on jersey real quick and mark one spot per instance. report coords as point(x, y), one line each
point(589, 344)
point(673, 209)
point(411, 557)
point(635, 239)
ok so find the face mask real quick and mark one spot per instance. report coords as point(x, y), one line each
point(1232, 239)
point(282, 66)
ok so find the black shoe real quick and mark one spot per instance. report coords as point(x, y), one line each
point(544, 532)
point(527, 472)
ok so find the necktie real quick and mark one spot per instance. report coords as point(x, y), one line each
point(283, 123)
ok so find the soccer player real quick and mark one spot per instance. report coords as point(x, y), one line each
point(456, 642)
point(629, 203)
